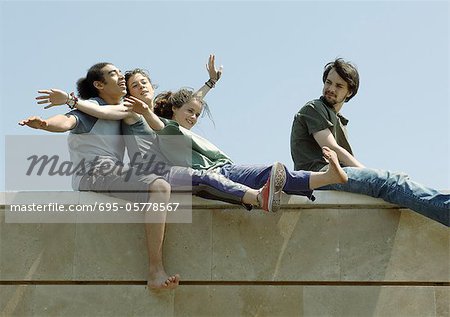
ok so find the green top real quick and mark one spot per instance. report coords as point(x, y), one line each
point(315, 116)
point(185, 148)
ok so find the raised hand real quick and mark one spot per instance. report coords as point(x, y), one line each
point(53, 97)
point(34, 122)
point(214, 73)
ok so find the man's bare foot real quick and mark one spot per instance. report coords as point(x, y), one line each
point(335, 171)
point(160, 280)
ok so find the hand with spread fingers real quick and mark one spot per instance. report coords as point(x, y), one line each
point(53, 97)
point(137, 105)
point(146, 110)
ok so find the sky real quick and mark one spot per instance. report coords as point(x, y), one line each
point(273, 54)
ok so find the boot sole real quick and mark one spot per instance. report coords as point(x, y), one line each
point(277, 181)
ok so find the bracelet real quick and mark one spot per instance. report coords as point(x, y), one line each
point(72, 101)
point(211, 83)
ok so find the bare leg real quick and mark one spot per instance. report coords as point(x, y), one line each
point(157, 276)
point(334, 175)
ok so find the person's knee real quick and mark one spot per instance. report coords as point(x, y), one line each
point(384, 177)
point(366, 174)
point(160, 186)
point(397, 179)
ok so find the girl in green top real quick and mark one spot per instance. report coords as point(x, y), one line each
point(175, 113)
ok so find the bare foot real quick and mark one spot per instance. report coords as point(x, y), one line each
point(160, 280)
point(335, 171)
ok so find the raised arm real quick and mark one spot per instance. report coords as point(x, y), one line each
point(58, 123)
point(214, 76)
point(57, 97)
point(145, 110)
point(326, 138)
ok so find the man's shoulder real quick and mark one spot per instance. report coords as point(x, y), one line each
point(314, 104)
point(98, 101)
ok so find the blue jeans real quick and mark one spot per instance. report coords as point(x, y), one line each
point(399, 189)
point(255, 176)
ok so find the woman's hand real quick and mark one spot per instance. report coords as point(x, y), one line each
point(137, 105)
point(214, 74)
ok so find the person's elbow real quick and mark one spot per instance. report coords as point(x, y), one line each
point(68, 123)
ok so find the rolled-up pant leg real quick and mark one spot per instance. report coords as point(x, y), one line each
point(255, 176)
point(399, 189)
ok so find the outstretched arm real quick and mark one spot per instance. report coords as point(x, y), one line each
point(326, 138)
point(145, 110)
point(57, 97)
point(58, 123)
point(214, 75)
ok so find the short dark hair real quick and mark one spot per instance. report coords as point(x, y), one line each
point(141, 71)
point(347, 71)
point(85, 85)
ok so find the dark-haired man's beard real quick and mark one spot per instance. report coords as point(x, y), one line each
point(331, 100)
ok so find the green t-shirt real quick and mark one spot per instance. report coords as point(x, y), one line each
point(315, 116)
point(185, 148)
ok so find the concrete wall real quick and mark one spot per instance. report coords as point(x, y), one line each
point(343, 255)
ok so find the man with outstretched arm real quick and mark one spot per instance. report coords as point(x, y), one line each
point(98, 143)
point(319, 123)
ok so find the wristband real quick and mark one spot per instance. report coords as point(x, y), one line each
point(72, 101)
point(210, 83)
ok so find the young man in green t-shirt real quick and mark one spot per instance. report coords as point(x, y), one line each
point(319, 123)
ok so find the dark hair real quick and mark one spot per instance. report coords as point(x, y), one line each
point(168, 99)
point(347, 71)
point(85, 85)
point(135, 71)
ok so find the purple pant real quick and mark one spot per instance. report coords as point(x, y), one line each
point(255, 176)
